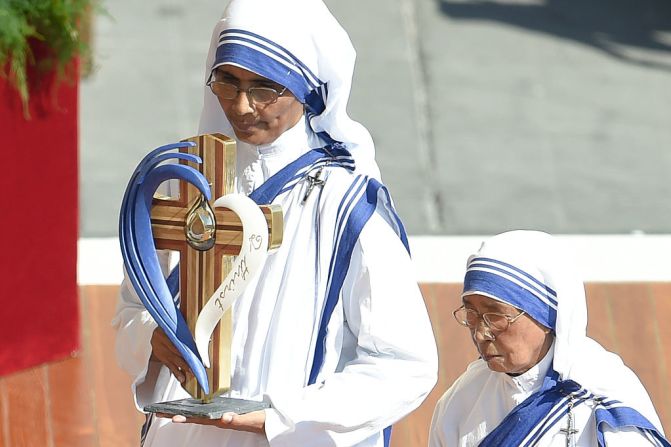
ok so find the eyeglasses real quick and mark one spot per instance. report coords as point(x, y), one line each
point(258, 95)
point(495, 321)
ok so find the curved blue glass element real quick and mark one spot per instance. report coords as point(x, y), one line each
point(139, 252)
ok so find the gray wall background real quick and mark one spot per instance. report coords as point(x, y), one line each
point(487, 115)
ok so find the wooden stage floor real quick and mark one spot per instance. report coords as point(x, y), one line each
point(84, 401)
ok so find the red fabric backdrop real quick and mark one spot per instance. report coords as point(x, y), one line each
point(39, 314)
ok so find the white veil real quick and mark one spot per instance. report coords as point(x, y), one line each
point(305, 36)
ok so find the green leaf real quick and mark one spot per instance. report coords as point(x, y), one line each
point(55, 22)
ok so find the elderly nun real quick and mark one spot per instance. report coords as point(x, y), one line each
point(539, 381)
point(339, 350)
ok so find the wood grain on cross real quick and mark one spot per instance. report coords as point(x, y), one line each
point(201, 272)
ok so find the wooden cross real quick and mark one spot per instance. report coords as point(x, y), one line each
point(201, 272)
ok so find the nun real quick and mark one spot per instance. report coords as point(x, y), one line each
point(339, 350)
point(539, 381)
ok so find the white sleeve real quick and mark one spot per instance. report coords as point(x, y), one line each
point(134, 328)
point(437, 430)
point(395, 365)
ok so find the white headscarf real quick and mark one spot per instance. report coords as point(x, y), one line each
point(300, 45)
point(530, 271)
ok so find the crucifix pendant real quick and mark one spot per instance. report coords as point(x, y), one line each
point(313, 180)
point(570, 429)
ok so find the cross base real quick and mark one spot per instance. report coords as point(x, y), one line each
point(213, 410)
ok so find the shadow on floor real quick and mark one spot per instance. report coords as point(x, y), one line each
point(615, 27)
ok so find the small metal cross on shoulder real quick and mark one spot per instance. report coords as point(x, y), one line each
point(313, 180)
point(570, 429)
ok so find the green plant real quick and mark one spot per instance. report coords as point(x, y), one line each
point(56, 23)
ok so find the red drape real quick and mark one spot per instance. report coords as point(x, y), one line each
point(39, 314)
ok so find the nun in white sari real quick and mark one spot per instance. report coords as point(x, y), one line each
point(335, 334)
point(540, 381)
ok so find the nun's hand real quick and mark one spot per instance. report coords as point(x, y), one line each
point(254, 422)
point(165, 352)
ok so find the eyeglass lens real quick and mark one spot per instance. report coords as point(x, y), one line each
point(470, 318)
point(261, 95)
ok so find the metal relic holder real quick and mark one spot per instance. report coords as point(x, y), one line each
point(207, 239)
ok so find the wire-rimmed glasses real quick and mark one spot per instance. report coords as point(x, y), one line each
point(258, 95)
point(494, 321)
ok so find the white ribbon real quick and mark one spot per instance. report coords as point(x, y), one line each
point(247, 265)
